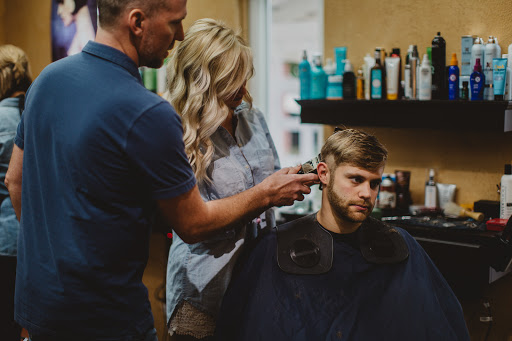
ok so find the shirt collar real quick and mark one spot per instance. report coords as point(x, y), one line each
point(10, 102)
point(114, 55)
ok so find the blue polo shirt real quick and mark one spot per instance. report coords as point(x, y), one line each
point(99, 150)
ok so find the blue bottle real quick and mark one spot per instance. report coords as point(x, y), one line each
point(305, 77)
point(477, 82)
point(318, 78)
point(453, 79)
point(376, 78)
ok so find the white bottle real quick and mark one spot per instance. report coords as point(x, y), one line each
point(407, 82)
point(387, 194)
point(431, 190)
point(369, 62)
point(477, 51)
point(425, 80)
point(492, 50)
point(506, 193)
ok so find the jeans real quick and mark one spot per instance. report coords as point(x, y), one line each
point(150, 335)
point(9, 330)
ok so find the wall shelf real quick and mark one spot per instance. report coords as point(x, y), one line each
point(434, 114)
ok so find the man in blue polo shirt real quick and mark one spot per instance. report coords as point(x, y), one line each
point(98, 154)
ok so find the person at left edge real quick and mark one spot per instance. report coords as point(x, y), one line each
point(95, 155)
point(15, 78)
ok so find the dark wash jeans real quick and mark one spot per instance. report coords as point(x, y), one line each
point(150, 335)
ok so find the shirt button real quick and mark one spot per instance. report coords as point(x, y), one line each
point(246, 166)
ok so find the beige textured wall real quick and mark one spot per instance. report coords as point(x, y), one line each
point(2, 24)
point(474, 161)
point(27, 23)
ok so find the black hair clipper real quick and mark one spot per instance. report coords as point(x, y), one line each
point(310, 165)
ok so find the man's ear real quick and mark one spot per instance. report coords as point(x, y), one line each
point(323, 173)
point(136, 21)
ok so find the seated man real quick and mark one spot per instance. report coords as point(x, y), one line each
point(340, 274)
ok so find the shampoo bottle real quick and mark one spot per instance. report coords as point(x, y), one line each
point(305, 77)
point(439, 65)
point(425, 80)
point(334, 90)
point(318, 78)
point(376, 78)
point(349, 82)
point(453, 78)
point(431, 190)
point(506, 193)
point(477, 82)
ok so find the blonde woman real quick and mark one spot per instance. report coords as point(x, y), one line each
point(230, 150)
point(14, 81)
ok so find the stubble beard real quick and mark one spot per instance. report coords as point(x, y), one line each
point(341, 206)
point(149, 56)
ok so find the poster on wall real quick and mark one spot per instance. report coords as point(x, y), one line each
point(74, 23)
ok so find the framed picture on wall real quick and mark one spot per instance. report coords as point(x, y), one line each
point(74, 23)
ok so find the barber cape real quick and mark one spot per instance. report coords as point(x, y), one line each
point(340, 290)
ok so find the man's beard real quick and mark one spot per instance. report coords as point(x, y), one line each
point(341, 206)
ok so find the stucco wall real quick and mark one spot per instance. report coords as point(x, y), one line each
point(474, 161)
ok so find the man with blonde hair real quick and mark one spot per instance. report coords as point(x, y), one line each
point(339, 273)
point(99, 154)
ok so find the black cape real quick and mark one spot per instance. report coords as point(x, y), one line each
point(355, 300)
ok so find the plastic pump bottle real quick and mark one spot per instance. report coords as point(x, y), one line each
point(506, 193)
point(453, 78)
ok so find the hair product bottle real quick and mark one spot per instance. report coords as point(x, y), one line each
point(334, 81)
point(387, 193)
point(506, 193)
point(360, 84)
point(431, 190)
point(349, 81)
point(415, 64)
point(395, 52)
point(477, 82)
point(453, 78)
point(305, 77)
point(464, 95)
point(508, 79)
point(438, 66)
point(477, 51)
point(492, 50)
point(376, 78)
point(425, 80)
point(318, 78)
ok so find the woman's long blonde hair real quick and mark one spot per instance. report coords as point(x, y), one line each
point(14, 71)
point(207, 69)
